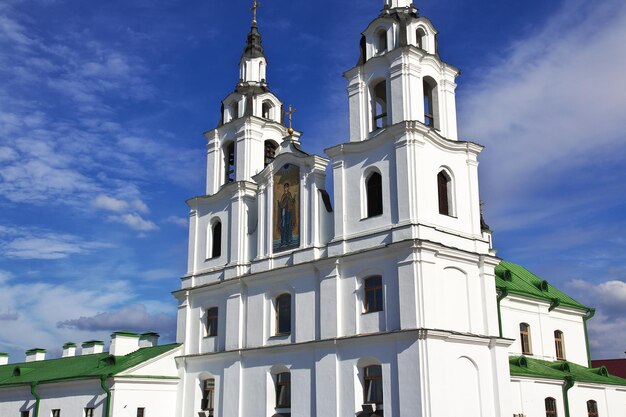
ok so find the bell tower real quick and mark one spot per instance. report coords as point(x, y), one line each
point(400, 76)
point(250, 126)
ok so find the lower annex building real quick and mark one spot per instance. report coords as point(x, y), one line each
point(381, 296)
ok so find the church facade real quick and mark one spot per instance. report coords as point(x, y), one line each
point(381, 295)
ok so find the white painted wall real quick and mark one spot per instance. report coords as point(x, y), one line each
point(543, 323)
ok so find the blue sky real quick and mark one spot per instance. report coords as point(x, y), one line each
point(103, 105)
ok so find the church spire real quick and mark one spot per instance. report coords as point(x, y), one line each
point(253, 63)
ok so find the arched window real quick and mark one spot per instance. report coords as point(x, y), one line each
point(381, 42)
point(373, 384)
point(379, 105)
point(283, 314)
point(267, 110)
point(524, 335)
point(283, 390)
point(374, 194)
point(216, 240)
point(234, 110)
point(208, 391)
point(444, 185)
point(551, 407)
point(270, 151)
point(373, 294)
point(592, 408)
point(431, 103)
point(559, 344)
point(420, 35)
point(211, 321)
point(229, 161)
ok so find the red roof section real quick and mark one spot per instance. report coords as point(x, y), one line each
point(616, 367)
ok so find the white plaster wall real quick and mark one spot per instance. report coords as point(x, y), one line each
point(532, 394)
point(70, 397)
point(543, 323)
point(157, 397)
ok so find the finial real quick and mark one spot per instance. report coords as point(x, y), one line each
point(255, 6)
point(290, 113)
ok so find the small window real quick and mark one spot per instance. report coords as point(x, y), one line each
point(283, 314)
point(208, 391)
point(373, 294)
point(373, 384)
point(229, 156)
point(374, 194)
point(420, 38)
point(267, 110)
point(141, 412)
point(444, 183)
point(89, 412)
point(56, 413)
point(559, 345)
point(216, 240)
point(379, 105)
point(211, 322)
point(430, 103)
point(25, 414)
point(283, 390)
point(551, 407)
point(381, 42)
point(270, 151)
point(524, 332)
point(592, 408)
point(234, 110)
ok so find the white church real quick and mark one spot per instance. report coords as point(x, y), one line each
point(381, 296)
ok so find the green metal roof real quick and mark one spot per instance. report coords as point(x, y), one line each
point(536, 368)
point(523, 282)
point(77, 367)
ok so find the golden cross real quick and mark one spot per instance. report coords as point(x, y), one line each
point(290, 113)
point(254, 8)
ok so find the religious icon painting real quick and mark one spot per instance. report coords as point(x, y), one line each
point(286, 230)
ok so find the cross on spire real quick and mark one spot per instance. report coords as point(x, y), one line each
point(255, 6)
point(289, 113)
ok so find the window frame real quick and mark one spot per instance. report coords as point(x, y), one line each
point(282, 387)
point(525, 339)
point(230, 162)
point(378, 99)
point(374, 201)
point(216, 239)
point(55, 412)
point(559, 345)
point(212, 322)
point(551, 407)
point(593, 410)
point(141, 413)
point(89, 411)
point(270, 147)
point(378, 290)
point(445, 193)
point(377, 381)
point(282, 309)
point(208, 394)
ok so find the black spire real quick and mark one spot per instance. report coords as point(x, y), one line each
point(254, 49)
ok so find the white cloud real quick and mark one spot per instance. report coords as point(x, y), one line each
point(109, 203)
point(160, 274)
point(134, 317)
point(552, 103)
point(178, 221)
point(46, 246)
point(134, 221)
point(607, 328)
